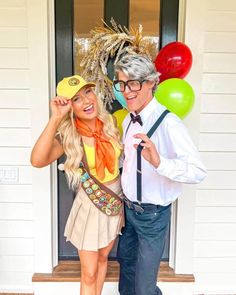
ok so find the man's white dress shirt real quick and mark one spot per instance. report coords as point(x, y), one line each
point(180, 161)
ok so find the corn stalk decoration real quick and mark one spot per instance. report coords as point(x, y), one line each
point(106, 45)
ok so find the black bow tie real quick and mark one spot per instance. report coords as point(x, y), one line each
point(136, 119)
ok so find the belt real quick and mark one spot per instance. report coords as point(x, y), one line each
point(140, 208)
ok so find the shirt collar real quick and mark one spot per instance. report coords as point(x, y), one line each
point(149, 108)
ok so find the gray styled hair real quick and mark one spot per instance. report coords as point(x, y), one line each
point(137, 67)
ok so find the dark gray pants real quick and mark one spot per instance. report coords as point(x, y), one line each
point(140, 249)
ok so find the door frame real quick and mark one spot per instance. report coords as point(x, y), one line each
point(169, 18)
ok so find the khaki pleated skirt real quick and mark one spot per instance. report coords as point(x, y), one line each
point(87, 228)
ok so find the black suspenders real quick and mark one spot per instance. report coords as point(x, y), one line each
point(139, 150)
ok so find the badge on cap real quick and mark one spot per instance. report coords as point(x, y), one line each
point(73, 82)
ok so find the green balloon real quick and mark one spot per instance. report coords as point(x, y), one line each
point(176, 95)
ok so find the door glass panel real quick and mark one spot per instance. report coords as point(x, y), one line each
point(146, 13)
point(87, 16)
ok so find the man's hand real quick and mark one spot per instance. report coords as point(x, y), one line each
point(149, 151)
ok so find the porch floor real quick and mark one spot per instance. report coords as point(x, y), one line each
point(69, 271)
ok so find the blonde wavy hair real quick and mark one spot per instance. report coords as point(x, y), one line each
point(72, 144)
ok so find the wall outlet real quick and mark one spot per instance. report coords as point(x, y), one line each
point(9, 175)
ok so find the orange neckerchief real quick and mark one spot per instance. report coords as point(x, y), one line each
point(104, 151)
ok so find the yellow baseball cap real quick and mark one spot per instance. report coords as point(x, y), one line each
point(69, 86)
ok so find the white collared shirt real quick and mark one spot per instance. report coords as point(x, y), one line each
point(180, 160)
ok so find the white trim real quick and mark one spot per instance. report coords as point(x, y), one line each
point(181, 20)
point(185, 231)
point(183, 210)
point(52, 78)
point(186, 203)
point(72, 288)
point(54, 223)
point(173, 224)
point(39, 95)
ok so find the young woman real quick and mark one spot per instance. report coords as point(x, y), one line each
point(81, 128)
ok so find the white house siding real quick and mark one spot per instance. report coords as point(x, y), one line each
point(215, 212)
point(16, 225)
point(23, 86)
point(25, 206)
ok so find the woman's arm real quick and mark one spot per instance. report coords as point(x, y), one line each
point(47, 148)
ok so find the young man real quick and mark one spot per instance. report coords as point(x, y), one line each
point(168, 158)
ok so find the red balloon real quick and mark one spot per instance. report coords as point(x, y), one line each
point(173, 61)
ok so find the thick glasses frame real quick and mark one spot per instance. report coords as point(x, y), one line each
point(117, 85)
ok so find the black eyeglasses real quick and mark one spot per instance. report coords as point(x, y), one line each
point(133, 85)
